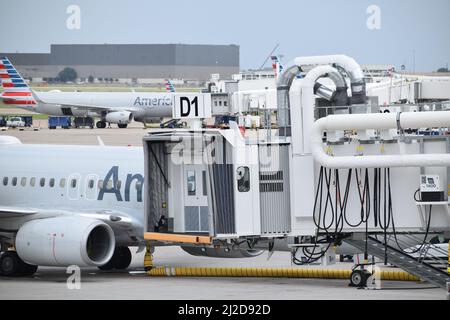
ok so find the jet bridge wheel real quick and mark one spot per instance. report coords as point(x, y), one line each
point(120, 260)
point(358, 278)
point(12, 266)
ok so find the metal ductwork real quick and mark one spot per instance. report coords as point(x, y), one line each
point(350, 67)
point(338, 97)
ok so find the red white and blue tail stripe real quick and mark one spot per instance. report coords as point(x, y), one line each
point(15, 90)
point(169, 86)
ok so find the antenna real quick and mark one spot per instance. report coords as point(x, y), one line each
point(268, 57)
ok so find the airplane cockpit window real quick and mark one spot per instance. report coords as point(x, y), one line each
point(51, 182)
point(23, 181)
point(14, 181)
point(42, 182)
point(32, 181)
point(5, 181)
point(73, 183)
point(62, 182)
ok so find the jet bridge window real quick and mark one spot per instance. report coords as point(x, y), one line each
point(5, 181)
point(191, 185)
point(243, 179)
point(23, 181)
point(14, 181)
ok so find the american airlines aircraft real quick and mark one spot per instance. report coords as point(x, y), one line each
point(73, 205)
point(114, 107)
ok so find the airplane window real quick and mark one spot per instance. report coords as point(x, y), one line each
point(5, 181)
point(14, 181)
point(109, 185)
point(23, 182)
point(32, 181)
point(119, 184)
point(73, 183)
point(91, 184)
point(42, 182)
point(138, 186)
point(100, 184)
point(51, 182)
point(62, 182)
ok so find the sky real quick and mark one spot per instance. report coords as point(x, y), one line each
point(414, 33)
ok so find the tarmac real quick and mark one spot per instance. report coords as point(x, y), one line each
point(51, 283)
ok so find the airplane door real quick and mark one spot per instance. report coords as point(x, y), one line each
point(195, 199)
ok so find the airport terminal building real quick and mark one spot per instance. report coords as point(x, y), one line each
point(133, 63)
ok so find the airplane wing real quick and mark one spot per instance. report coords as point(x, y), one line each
point(119, 221)
point(9, 212)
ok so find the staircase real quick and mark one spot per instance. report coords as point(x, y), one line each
point(408, 262)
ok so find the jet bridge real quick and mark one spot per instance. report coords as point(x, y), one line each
point(305, 188)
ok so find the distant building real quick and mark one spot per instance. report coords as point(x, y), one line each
point(136, 63)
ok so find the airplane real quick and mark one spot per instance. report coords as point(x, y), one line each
point(111, 107)
point(77, 205)
point(169, 86)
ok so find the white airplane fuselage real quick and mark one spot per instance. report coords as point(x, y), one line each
point(91, 181)
point(144, 105)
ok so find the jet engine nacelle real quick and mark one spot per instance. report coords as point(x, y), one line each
point(222, 252)
point(119, 117)
point(65, 241)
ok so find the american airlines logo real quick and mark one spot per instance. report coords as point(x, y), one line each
point(110, 185)
point(153, 102)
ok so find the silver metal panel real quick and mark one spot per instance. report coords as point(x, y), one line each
point(204, 222)
point(274, 189)
point(191, 219)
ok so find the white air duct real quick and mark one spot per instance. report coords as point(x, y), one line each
point(412, 120)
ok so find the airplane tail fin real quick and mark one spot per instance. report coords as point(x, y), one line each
point(276, 66)
point(169, 86)
point(16, 91)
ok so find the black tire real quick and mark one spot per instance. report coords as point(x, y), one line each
point(10, 264)
point(122, 125)
point(358, 278)
point(121, 258)
point(101, 124)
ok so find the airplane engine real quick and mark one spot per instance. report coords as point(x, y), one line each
point(65, 241)
point(222, 252)
point(119, 117)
